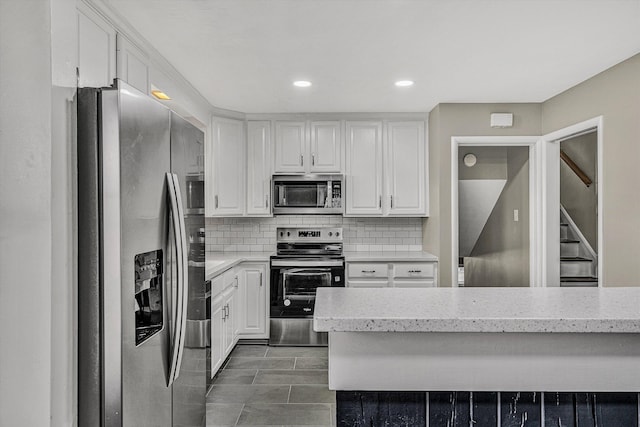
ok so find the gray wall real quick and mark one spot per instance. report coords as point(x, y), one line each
point(580, 201)
point(479, 188)
point(491, 163)
point(26, 213)
point(615, 95)
point(448, 120)
point(501, 254)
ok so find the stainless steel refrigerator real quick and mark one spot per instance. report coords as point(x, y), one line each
point(142, 318)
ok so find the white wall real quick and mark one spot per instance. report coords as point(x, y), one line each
point(25, 213)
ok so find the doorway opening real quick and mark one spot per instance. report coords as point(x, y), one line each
point(494, 203)
point(572, 217)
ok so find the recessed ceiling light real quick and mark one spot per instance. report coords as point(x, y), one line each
point(404, 83)
point(302, 83)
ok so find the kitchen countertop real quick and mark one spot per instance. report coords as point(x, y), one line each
point(518, 310)
point(390, 256)
point(218, 262)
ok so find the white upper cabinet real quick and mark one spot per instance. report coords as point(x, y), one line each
point(96, 49)
point(390, 178)
point(364, 168)
point(225, 168)
point(133, 65)
point(405, 166)
point(290, 146)
point(259, 168)
point(325, 147)
point(308, 147)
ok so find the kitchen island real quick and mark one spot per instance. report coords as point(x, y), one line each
point(487, 355)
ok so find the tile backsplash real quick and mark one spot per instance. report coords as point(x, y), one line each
point(360, 234)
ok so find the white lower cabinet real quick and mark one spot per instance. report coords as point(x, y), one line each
point(217, 333)
point(239, 309)
point(231, 319)
point(252, 296)
point(367, 283)
point(398, 274)
point(224, 318)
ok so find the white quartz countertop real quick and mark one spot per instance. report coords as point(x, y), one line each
point(218, 262)
point(389, 256)
point(574, 310)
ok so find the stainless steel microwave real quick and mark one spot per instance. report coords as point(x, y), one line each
point(308, 194)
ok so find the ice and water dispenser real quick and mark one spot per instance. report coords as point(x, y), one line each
point(148, 295)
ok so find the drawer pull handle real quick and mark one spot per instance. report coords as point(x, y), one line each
point(415, 271)
point(368, 271)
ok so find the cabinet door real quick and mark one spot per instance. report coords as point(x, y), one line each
point(290, 147)
point(259, 168)
point(230, 334)
point(252, 298)
point(96, 49)
point(226, 168)
point(132, 65)
point(326, 147)
point(364, 168)
point(217, 334)
point(423, 283)
point(406, 169)
point(367, 283)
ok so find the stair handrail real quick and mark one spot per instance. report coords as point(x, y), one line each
point(575, 168)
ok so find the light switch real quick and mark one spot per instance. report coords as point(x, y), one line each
point(515, 215)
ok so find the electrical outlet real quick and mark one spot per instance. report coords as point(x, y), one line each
point(515, 215)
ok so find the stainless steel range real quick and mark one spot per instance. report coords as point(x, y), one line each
point(307, 258)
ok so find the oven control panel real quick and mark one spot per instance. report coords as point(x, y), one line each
point(309, 234)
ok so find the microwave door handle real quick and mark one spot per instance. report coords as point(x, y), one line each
point(176, 303)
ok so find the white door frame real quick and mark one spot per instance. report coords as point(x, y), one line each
point(535, 196)
point(550, 185)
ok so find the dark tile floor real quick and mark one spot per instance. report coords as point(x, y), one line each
point(272, 386)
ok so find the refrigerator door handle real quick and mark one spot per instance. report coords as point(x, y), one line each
point(176, 308)
point(185, 272)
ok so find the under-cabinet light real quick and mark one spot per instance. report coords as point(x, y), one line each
point(160, 95)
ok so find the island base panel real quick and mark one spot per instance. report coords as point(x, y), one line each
point(406, 361)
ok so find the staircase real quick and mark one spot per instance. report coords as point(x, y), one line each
point(578, 261)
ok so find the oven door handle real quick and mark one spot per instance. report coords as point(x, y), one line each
point(306, 263)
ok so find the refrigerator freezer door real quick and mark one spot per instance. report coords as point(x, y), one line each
point(144, 148)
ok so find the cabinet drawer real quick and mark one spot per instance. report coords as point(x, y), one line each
point(414, 270)
point(419, 283)
point(230, 277)
point(368, 270)
point(217, 285)
point(367, 284)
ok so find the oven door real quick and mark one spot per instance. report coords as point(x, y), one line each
point(294, 284)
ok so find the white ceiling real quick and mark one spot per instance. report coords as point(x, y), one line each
point(244, 54)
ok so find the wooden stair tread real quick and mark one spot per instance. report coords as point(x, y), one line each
point(575, 258)
point(583, 284)
point(578, 279)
